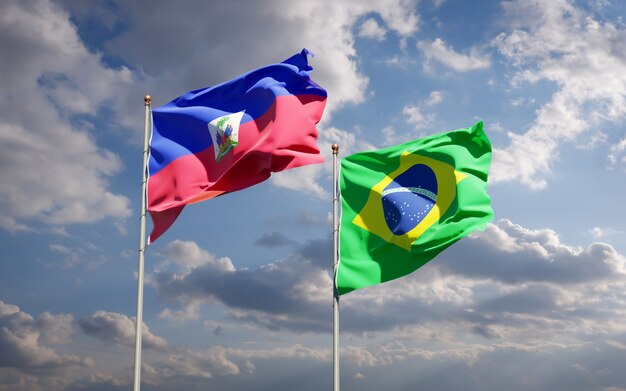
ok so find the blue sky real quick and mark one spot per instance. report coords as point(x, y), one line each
point(238, 293)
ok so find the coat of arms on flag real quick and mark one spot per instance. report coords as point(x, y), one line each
point(225, 133)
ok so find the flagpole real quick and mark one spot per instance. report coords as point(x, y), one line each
point(142, 247)
point(335, 148)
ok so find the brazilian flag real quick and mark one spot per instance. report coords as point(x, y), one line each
point(403, 205)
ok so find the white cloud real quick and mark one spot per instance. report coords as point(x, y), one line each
point(617, 155)
point(120, 329)
point(187, 255)
point(522, 101)
point(390, 135)
point(99, 381)
point(304, 179)
point(202, 364)
point(189, 311)
point(8, 309)
point(13, 226)
point(557, 42)
point(371, 29)
point(55, 329)
point(515, 290)
point(219, 362)
point(538, 255)
point(52, 169)
point(272, 291)
point(531, 268)
point(22, 339)
point(414, 116)
point(602, 232)
point(402, 62)
point(86, 254)
point(435, 98)
point(438, 51)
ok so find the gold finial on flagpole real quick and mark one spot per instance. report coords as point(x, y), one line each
point(147, 99)
point(335, 148)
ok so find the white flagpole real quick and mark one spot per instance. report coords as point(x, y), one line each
point(335, 148)
point(142, 246)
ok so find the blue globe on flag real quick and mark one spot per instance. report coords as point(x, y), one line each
point(409, 198)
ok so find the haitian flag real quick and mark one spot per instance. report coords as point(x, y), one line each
point(228, 137)
point(401, 206)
